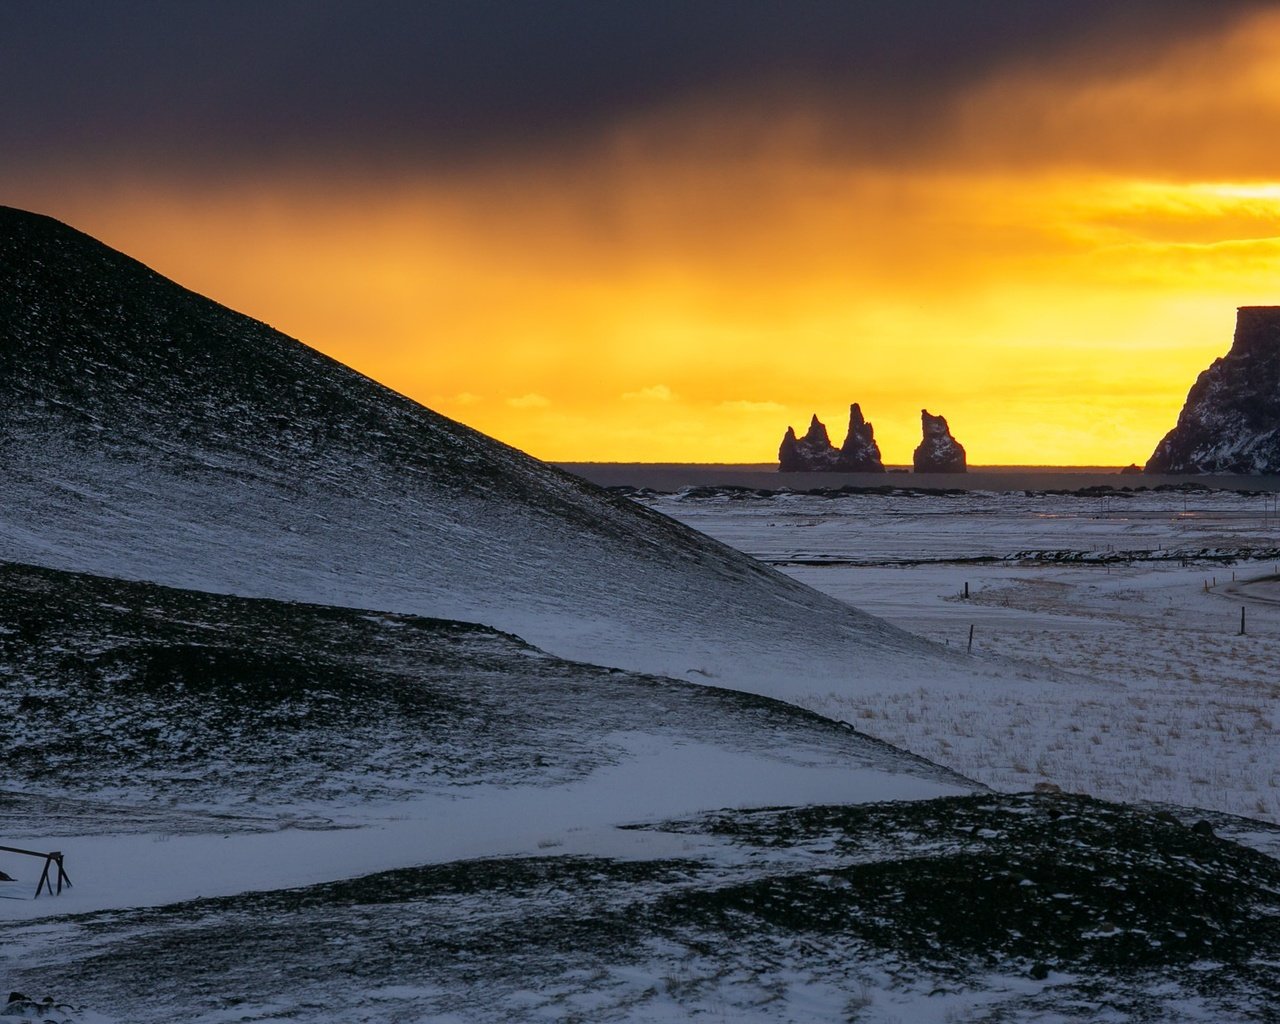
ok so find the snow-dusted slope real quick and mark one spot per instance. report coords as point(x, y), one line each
point(427, 740)
point(477, 870)
point(149, 433)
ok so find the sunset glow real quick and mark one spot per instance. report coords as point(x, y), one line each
point(1051, 271)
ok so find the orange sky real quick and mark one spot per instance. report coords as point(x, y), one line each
point(1051, 274)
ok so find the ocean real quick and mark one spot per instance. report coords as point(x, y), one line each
point(674, 476)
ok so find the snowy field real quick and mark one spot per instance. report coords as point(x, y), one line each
point(285, 812)
point(1056, 910)
point(1125, 608)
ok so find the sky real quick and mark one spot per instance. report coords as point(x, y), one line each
point(664, 231)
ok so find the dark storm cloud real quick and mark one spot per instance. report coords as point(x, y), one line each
point(228, 84)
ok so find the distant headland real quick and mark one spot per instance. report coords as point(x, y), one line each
point(1231, 420)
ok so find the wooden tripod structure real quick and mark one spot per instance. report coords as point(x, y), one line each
point(50, 860)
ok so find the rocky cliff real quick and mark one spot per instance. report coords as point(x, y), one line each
point(1231, 420)
point(938, 451)
point(815, 453)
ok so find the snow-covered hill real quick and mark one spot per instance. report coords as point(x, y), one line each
point(226, 725)
point(149, 433)
point(280, 811)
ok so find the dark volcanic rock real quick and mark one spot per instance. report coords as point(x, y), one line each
point(1231, 420)
point(860, 453)
point(938, 452)
point(815, 453)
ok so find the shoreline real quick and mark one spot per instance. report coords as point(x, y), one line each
point(676, 476)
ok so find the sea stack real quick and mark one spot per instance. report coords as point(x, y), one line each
point(938, 452)
point(860, 453)
point(815, 453)
point(812, 452)
point(1231, 420)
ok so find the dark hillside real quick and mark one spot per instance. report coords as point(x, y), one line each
point(162, 695)
point(149, 433)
